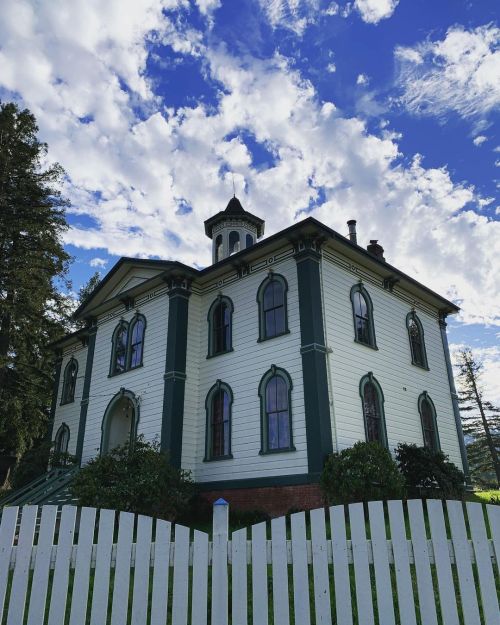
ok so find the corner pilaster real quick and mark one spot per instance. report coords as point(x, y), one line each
point(55, 393)
point(84, 404)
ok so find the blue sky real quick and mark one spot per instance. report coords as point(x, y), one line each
point(386, 111)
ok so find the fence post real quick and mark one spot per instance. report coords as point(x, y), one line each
point(219, 562)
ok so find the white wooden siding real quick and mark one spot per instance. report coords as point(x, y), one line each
point(145, 382)
point(243, 369)
point(402, 382)
point(70, 413)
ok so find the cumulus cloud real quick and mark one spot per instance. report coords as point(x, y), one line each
point(372, 11)
point(459, 73)
point(148, 179)
point(362, 79)
point(98, 262)
point(479, 140)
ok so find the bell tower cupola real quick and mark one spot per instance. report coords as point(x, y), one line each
point(232, 230)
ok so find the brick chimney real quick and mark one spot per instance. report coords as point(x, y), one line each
point(375, 249)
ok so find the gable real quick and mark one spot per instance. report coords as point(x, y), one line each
point(134, 277)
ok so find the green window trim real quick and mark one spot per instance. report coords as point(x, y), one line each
point(217, 387)
point(221, 299)
point(105, 424)
point(370, 379)
point(129, 328)
point(260, 301)
point(59, 439)
point(424, 397)
point(415, 360)
point(264, 425)
point(371, 339)
point(69, 382)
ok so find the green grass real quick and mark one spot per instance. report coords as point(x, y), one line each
point(485, 496)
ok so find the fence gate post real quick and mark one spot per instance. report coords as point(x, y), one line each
point(219, 562)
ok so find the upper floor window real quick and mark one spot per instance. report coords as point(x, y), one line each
point(220, 317)
point(372, 399)
point(234, 242)
point(416, 337)
point(272, 300)
point(69, 382)
point(275, 391)
point(218, 248)
point(61, 440)
point(362, 310)
point(128, 345)
point(249, 240)
point(428, 420)
point(218, 433)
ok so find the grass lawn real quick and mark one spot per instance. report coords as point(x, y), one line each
point(485, 496)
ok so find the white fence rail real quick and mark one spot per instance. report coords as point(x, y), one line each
point(420, 562)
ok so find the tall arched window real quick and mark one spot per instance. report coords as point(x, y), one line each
point(275, 391)
point(61, 440)
point(69, 382)
point(234, 242)
point(272, 300)
point(416, 338)
point(218, 433)
point(249, 240)
point(372, 400)
point(136, 332)
point(362, 310)
point(218, 248)
point(428, 419)
point(220, 316)
point(120, 348)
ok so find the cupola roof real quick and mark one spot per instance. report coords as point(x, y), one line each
point(234, 209)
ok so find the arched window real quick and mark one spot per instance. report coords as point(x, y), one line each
point(120, 348)
point(234, 242)
point(120, 421)
point(61, 440)
point(220, 316)
point(249, 240)
point(362, 310)
point(416, 338)
point(218, 248)
point(218, 433)
point(272, 300)
point(372, 400)
point(428, 419)
point(275, 391)
point(136, 331)
point(69, 382)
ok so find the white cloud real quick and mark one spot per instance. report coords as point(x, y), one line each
point(460, 73)
point(294, 15)
point(372, 11)
point(362, 79)
point(147, 169)
point(479, 140)
point(98, 262)
point(331, 68)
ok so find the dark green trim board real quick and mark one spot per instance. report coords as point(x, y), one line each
point(55, 394)
point(313, 353)
point(175, 369)
point(261, 482)
point(454, 397)
point(86, 392)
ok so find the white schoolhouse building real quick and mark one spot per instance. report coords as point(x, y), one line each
point(252, 370)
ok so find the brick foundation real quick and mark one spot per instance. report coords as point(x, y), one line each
point(275, 500)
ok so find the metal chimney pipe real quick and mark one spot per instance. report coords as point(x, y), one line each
point(352, 231)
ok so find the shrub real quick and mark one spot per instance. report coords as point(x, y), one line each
point(135, 478)
point(429, 471)
point(32, 464)
point(363, 472)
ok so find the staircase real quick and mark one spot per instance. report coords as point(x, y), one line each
point(50, 488)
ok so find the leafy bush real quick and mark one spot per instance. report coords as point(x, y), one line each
point(135, 478)
point(429, 471)
point(363, 472)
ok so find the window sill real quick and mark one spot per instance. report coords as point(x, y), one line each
point(269, 338)
point(424, 367)
point(113, 375)
point(269, 452)
point(228, 351)
point(366, 345)
point(65, 403)
point(216, 459)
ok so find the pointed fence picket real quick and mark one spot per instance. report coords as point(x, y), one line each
point(387, 563)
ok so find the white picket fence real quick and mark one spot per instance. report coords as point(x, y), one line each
point(101, 567)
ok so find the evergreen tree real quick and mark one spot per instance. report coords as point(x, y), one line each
point(88, 288)
point(480, 421)
point(32, 310)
